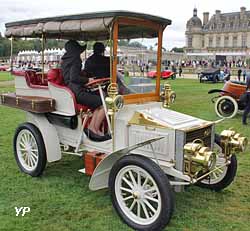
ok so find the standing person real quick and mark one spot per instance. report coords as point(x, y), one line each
point(180, 71)
point(239, 73)
point(75, 80)
point(247, 101)
point(244, 74)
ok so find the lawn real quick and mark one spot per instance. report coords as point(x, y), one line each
point(61, 200)
point(5, 76)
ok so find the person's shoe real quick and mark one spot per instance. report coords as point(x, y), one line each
point(95, 137)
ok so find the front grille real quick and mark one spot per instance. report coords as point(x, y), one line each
point(202, 133)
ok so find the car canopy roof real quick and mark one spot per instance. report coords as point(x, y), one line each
point(88, 26)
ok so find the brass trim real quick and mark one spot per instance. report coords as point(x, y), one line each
point(139, 119)
point(17, 101)
point(32, 104)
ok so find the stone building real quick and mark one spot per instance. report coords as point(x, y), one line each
point(225, 34)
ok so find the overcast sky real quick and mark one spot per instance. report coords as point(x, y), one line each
point(179, 11)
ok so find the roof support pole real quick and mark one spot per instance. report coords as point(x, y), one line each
point(11, 53)
point(43, 47)
point(115, 45)
point(159, 57)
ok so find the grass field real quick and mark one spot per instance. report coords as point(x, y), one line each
point(61, 201)
point(5, 76)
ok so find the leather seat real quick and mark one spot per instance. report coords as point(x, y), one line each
point(55, 77)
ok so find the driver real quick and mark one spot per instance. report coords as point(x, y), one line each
point(75, 80)
point(98, 65)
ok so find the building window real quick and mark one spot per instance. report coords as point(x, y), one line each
point(244, 40)
point(231, 24)
point(223, 25)
point(235, 38)
point(210, 41)
point(218, 39)
point(249, 24)
point(190, 41)
point(226, 41)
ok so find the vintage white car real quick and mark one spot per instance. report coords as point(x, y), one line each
point(153, 150)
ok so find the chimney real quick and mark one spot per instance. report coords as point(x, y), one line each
point(205, 18)
point(217, 14)
point(242, 12)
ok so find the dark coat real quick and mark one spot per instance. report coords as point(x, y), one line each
point(71, 69)
point(98, 66)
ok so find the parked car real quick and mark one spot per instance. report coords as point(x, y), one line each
point(151, 150)
point(228, 103)
point(164, 74)
point(213, 75)
point(4, 67)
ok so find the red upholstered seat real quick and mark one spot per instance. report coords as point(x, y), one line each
point(56, 78)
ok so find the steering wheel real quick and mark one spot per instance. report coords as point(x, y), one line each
point(97, 82)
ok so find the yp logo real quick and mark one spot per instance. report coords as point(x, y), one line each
point(23, 210)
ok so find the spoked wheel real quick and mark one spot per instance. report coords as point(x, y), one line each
point(220, 178)
point(29, 149)
point(226, 107)
point(141, 193)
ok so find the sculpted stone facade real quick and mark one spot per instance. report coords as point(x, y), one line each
point(223, 33)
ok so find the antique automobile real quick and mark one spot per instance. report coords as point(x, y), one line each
point(213, 75)
point(164, 74)
point(153, 150)
point(4, 67)
point(228, 102)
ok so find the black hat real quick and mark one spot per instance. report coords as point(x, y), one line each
point(74, 46)
point(98, 47)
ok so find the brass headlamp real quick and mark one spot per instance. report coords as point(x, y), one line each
point(168, 96)
point(232, 142)
point(113, 101)
point(198, 158)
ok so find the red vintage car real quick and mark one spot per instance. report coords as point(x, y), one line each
point(4, 67)
point(164, 74)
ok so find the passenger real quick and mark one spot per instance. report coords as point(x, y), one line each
point(75, 79)
point(98, 66)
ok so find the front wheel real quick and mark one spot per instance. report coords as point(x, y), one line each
point(141, 193)
point(221, 178)
point(29, 149)
point(226, 107)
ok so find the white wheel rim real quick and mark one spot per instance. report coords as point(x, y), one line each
point(219, 110)
point(27, 150)
point(138, 195)
point(218, 175)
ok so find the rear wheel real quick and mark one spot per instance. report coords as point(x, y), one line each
point(29, 149)
point(141, 193)
point(226, 107)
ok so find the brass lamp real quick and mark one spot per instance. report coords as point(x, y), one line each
point(168, 96)
point(198, 158)
point(232, 142)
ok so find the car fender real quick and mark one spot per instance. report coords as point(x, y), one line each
point(100, 177)
point(49, 134)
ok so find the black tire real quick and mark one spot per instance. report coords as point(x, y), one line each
point(167, 197)
point(226, 180)
point(41, 153)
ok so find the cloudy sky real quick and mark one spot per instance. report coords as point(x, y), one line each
point(179, 11)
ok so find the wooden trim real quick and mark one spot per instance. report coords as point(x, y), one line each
point(115, 45)
point(159, 57)
point(140, 98)
point(136, 22)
